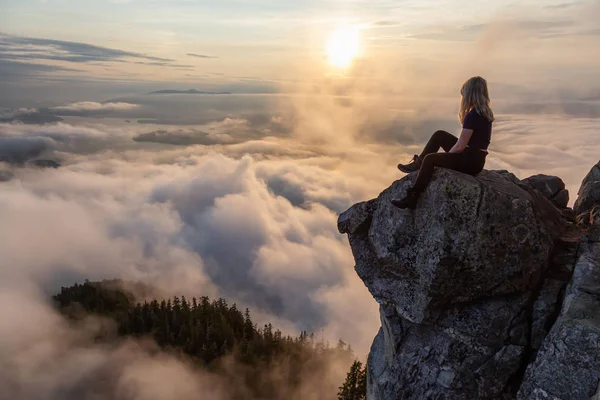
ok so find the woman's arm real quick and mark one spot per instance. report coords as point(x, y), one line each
point(464, 138)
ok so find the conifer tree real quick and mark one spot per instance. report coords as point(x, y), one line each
point(355, 386)
point(212, 332)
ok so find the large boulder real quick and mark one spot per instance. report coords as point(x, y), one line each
point(469, 238)
point(464, 284)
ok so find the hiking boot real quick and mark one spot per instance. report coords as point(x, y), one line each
point(413, 166)
point(409, 201)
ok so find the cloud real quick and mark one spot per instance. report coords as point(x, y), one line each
point(164, 64)
point(211, 131)
point(298, 184)
point(250, 250)
point(464, 33)
point(191, 221)
point(20, 150)
point(517, 28)
point(28, 116)
point(200, 110)
point(10, 70)
point(259, 230)
point(58, 139)
point(42, 58)
point(97, 239)
point(89, 108)
point(18, 48)
point(184, 137)
point(31, 347)
point(200, 55)
point(531, 144)
point(579, 109)
point(563, 6)
point(252, 220)
point(385, 24)
point(81, 109)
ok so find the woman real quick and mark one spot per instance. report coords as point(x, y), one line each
point(465, 154)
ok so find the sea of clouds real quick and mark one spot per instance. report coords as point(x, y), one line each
point(252, 219)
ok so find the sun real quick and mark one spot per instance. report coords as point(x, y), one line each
point(343, 46)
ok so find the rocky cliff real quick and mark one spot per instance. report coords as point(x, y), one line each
point(490, 289)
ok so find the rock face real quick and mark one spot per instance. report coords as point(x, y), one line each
point(469, 285)
point(568, 363)
point(551, 187)
point(470, 238)
point(589, 193)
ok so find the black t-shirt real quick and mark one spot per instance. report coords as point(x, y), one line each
point(481, 127)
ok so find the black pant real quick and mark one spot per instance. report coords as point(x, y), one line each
point(470, 161)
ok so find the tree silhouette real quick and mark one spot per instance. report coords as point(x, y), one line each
point(355, 386)
point(209, 332)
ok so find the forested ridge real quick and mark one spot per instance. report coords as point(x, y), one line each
point(212, 334)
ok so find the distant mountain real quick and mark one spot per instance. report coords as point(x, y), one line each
point(191, 91)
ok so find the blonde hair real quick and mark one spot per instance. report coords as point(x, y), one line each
point(475, 95)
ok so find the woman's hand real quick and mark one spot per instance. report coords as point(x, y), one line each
point(463, 140)
point(456, 149)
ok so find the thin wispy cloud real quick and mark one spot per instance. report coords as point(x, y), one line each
point(385, 24)
point(562, 6)
point(165, 64)
point(517, 28)
point(18, 48)
point(92, 106)
point(200, 55)
point(9, 70)
point(40, 58)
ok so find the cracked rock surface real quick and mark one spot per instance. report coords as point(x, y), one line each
point(470, 286)
point(568, 363)
point(589, 193)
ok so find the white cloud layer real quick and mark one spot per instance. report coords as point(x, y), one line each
point(253, 221)
point(190, 221)
point(92, 106)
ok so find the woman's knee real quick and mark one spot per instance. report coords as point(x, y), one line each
point(437, 135)
point(440, 137)
point(429, 160)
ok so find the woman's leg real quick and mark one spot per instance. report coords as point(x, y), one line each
point(469, 161)
point(454, 161)
point(440, 139)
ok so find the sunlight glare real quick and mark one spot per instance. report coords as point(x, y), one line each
point(343, 46)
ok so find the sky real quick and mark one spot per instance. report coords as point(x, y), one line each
point(260, 46)
point(237, 195)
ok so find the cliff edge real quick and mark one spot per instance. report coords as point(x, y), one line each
point(486, 290)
